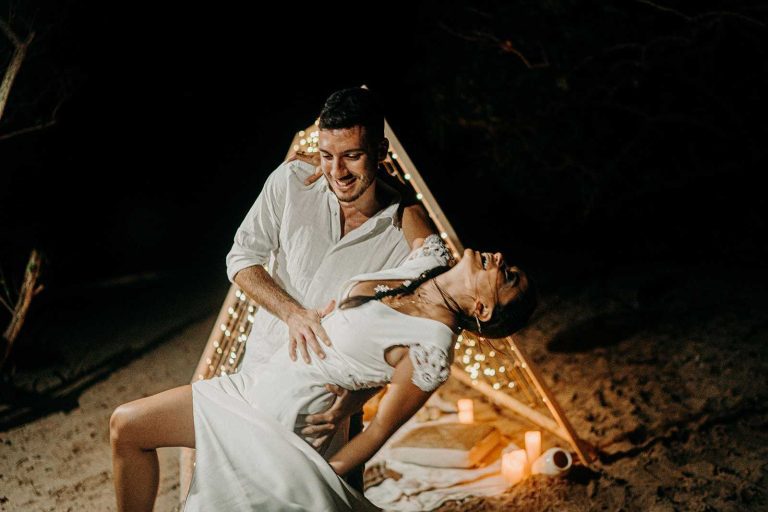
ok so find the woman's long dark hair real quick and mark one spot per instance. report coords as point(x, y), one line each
point(505, 320)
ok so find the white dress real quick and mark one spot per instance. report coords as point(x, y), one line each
point(249, 453)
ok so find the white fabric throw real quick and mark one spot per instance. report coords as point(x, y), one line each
point(426, 488)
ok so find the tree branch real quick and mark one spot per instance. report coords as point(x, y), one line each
point(40, 126)
point(665, 9)
point(508, 47)
point(20, 51)
point(29, 289)
point(33, 128)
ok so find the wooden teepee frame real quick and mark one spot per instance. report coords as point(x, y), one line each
point(509, 381)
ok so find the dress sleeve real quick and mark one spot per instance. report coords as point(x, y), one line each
point(431, 366)
point(434, 247)
point(258, 234)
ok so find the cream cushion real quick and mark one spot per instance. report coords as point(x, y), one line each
point(446, 445)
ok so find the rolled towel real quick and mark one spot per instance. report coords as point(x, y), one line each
point(552, 462)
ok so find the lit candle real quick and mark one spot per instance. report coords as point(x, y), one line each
point(533, 445)
point(513, 466)
point(466, 410)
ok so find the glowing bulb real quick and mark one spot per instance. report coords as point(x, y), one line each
point(407, 176)
point(443, 235)
point(419, 196)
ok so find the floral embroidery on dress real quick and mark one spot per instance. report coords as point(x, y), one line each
point(433, 246)
point(431, 366)
point(381, 288)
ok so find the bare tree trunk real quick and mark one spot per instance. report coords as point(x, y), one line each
point(20, 51)
point(29, 289)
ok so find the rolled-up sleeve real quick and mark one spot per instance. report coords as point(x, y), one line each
point(258, 234)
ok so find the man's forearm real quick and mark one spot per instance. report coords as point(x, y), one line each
point(256, 282)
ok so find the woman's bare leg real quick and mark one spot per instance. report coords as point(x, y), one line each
point(136, 429)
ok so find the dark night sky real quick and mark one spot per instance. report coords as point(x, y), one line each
point(176, 118)
point(175, 115)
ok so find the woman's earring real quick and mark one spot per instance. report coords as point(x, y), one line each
point(479, 330)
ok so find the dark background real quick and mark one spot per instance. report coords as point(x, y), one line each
point(578, 137)
point(641, 138)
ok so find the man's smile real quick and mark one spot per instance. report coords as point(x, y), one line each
point(345, 183)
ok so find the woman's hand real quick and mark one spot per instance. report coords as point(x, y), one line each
point(310, 158)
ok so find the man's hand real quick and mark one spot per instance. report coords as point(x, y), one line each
point(322, 426)
point(304, 329)
point(310, 158)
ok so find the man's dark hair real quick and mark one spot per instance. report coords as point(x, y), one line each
point(354, 107)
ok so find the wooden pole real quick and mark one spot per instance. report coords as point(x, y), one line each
point(504, 400)
point(582, 449)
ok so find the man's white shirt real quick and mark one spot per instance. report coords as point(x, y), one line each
point(295, 230)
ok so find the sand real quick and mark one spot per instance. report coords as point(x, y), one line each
point(63, 462)
point(664, 372)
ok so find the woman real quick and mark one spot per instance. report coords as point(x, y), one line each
point(396, 326)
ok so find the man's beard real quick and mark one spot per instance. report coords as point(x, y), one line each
point(363, 181)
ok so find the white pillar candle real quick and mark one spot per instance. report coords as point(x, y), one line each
point(513, 466)
point(466, 410)
point(533, 445)
point(522, 457)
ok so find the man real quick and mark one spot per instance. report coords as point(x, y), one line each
point(314, 235)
